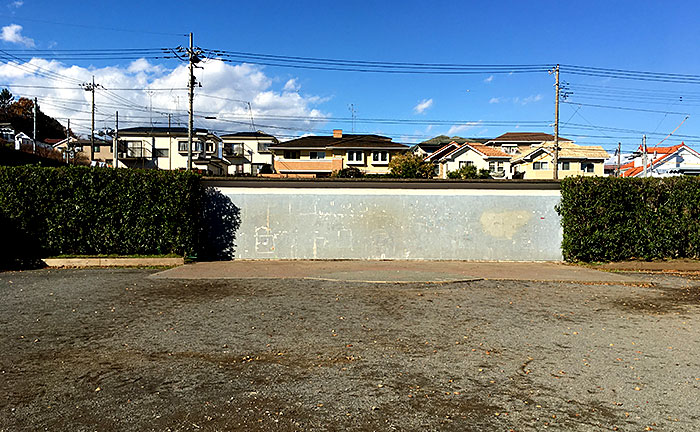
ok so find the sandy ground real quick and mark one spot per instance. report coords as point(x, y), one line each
point(100, 350)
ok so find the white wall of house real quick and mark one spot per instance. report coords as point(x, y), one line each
point(249, 154)
point(683, 161)
point(167, 152)
point(470, 157)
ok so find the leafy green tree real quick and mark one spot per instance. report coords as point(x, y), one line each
point(410, 165)
point(469, 172)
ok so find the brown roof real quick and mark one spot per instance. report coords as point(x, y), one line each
point(577, 152)
point(347, 141)
point(527, 137)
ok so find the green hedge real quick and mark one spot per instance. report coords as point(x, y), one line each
point(89, 211)
point(614, 219)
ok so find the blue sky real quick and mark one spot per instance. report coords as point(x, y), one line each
point(635, 35)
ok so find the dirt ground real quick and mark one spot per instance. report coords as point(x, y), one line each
point(102, 350)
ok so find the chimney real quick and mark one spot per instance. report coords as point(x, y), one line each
point(337, 133)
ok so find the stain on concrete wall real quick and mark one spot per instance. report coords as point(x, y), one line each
point(328, 223)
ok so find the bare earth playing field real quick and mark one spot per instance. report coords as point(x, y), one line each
point(105, 349)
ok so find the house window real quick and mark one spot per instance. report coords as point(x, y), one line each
point(539, 165)
point(500, 166)
point(462, 164)
point(182, 146)
point(492, 166)
point(162, 153)
point(356, 156)
point(210, 146)
point(380, 157)
point(317, 155)
point(291, 154)
point(587, 167)
point(565, 166)
point(263, 147)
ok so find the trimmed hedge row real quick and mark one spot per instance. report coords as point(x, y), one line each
point(614, 219)
point(89, 211)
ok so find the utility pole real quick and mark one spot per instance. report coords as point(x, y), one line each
point(115, 146)
point(190, 123)
point(170, 144)
point(68, 141)
point(556, 124)
point(91, 88)
point(644, 155)
point(34, 135)
point(619, 149)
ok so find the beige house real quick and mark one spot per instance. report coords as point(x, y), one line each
point(574, 160)
point(79, 149)
point(519, 143)
point(248, 152)
point(167, 148)
point(320, 156)
point(478, 155)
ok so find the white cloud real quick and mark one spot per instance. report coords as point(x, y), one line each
point(144, 66)
point(224, 92)
point(428, 128)
point(463, 127)
point(16, 4)
point(489, 79)
point(13, 34)
point(422, 106)
point(530, 99)
point(494, 100)
point(291, 86)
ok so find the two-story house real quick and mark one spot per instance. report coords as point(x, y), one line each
point(248, 152)
point(167, 148)
point(574, 160)
point(520, 143)
point(662, 162)
point(319, 156)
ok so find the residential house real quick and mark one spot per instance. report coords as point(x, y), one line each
point(79, 148)
point(477, 155)
point(663, 162)
point(520, 143)
point(574, 160)
point(430, 146)
point(248, 152)
point(167, 148)
point(7, 132)
point(319, 156)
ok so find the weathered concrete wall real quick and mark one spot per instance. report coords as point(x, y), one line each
point(396, 223)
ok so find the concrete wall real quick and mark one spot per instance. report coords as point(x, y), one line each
point(380, 220)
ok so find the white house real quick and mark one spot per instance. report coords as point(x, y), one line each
point(663, 162)
point(248, 152)
point(167, 148)
point(478, 155)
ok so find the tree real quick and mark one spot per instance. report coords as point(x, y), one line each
point(20, 114)
point(469, 172)
point(410, 165)
point(6, 99)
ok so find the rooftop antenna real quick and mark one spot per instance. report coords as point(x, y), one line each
point(353, 113)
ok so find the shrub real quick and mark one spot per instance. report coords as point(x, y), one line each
point(613, 219)
point(410, 165)
point(469, 172)
point(92, 211)
point(349, 172)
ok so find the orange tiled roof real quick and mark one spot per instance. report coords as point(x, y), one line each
point(488, 150)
